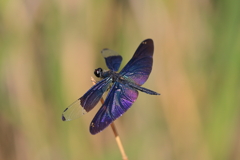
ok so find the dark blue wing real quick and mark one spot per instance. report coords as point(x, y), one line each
point(94, 94)
point(87, 101)
point(118, 101)
point(112, 58)
point(139, 67)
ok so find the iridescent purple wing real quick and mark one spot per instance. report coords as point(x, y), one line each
point(87, 102)
point(137, 70)
point(118, 101)
point(93, 95)
point(112, 58)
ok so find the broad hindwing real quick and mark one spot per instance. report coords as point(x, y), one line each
point(112, 58)
point(87, 102)
point(118, 101)
point(139, 67)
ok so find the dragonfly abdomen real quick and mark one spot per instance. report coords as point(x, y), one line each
point(142, 89)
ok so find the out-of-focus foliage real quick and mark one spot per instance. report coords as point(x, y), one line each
point(49, 49)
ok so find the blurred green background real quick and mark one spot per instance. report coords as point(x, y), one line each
point(49, 50)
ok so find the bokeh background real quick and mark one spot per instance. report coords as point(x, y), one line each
point(50, 48)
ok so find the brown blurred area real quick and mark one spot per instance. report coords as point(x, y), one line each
point(49, 50)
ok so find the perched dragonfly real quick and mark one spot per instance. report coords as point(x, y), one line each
point(124, 87)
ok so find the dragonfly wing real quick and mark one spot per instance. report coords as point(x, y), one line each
point(118, 101)
point(73, 111)
point(112, 58)
point(139, 67)
point(94, 94)
point(87, 102)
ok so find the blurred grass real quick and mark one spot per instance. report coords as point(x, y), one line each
point(49, 49)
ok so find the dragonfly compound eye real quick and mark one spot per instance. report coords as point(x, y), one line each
point(98, 72)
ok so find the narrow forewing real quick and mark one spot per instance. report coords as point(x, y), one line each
point(87, 102)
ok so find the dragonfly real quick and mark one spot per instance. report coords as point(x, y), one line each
point(123, 87)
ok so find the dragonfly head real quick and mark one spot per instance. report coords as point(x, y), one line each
point(98, 72)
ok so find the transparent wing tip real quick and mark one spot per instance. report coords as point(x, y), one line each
point(108, 53)
point(63, 118)
point(74, 111)
point(83, 111)
point(104, 49)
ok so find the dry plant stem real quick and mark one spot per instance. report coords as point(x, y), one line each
point(114, 129)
